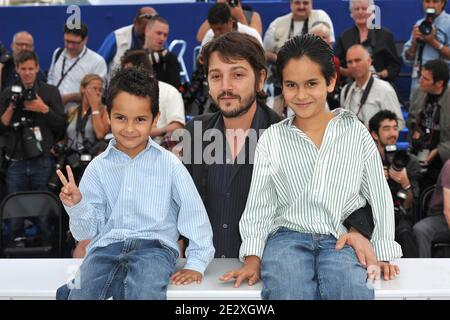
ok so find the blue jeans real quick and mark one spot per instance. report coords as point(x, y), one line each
point(307, 266)
point(29, 175)
point(135, 269)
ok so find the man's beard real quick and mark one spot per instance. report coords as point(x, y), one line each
point(242, 108)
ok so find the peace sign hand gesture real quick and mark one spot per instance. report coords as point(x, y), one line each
point(70, 195)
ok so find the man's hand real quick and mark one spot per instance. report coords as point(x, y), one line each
point(364, 251)
point(70, 195)
point(36, 105)
point(431, 37)
point(186, 276)
point(416, 34)
point(249, 271)
point(433, 154)
point(390, 271)
point(383, 74)
point(401, 177)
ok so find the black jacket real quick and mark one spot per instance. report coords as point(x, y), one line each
point(168, 70)
point(52, 124)
point(226, 204)
point(382, 45)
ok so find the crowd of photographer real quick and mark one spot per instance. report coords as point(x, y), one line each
point(48, 125)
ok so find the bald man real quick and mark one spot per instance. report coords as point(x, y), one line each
point(128, 37)
point(22, 40)
point(367, 94)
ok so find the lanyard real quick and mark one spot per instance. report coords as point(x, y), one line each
point(82, 121)
point(64, 74)
point(304, 29)
point(365, 95)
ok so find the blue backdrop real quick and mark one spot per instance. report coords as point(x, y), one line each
point(45, 23)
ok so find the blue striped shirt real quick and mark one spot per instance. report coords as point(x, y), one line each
point(149, 197)
point(310, 190)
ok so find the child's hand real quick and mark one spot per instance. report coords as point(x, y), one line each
point(186, 276)
point(70, 195)
point(249, 271)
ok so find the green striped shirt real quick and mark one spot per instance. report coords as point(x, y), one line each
point(310, 190)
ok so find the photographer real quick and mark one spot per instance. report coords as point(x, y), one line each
point(87, 125)
point(241, 13)
point(22, 40)
point(32, 119)
point(402, 171)
point(430, 39)
point(429, 120)
point(165, 63)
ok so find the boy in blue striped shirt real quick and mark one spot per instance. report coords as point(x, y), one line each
point(134, 201)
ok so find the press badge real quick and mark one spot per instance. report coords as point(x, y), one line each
point(37, 133)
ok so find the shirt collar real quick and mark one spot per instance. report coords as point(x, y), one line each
point(364, 85)
point(112, 148)
point(339, 113)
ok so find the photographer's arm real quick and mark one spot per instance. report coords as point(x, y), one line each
point(100, 122)
point(71, 97)
point(7, 115)
point(202, 31)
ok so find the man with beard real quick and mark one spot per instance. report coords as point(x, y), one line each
point(218, 148)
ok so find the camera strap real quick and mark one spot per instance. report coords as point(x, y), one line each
point(82, 121)
point(64, 74)
point(304, 29)
point(365, 95)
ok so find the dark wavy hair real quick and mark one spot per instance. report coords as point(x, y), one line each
point(137, 82)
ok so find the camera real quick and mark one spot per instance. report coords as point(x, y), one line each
point(157, 57)
point(195, 93)
point(31, 145)
point(20, 95)
point(233, 3)
point(397, 160)
point(77, 159)
point(426, 26)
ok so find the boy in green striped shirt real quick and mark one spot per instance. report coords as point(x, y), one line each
point(311, 172)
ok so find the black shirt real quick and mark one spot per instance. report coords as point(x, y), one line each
point(380, 43)
point(224, 187)
point(52, 124)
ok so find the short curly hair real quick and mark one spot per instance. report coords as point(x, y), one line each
point(137, 82)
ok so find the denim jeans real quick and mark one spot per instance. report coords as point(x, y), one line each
point(135, 269)
point(308, 267)
point(29, 175)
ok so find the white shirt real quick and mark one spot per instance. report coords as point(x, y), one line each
point(171, 106)
point(381, 97)
point(88, 62)
point(242, 28)
point(319, 15)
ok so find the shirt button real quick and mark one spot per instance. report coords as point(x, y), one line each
point(228, 160)
point(225, 226)
point(223, 256)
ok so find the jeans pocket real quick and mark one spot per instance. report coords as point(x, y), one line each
point(170, 249)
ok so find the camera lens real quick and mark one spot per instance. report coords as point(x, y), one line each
point(426, 28)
